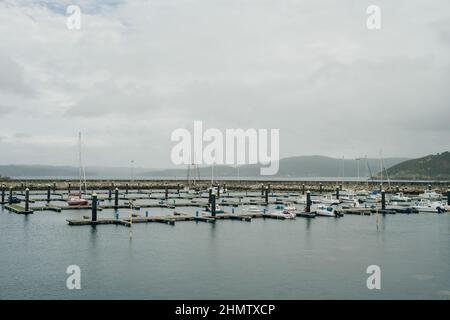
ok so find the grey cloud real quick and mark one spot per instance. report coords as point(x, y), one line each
point(12, 78)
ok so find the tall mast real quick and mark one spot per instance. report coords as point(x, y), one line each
point(82, 171)
point(381, 169)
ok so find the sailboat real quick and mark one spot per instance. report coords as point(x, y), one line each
point(75, 198)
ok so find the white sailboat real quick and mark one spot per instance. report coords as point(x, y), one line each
point(76, 198)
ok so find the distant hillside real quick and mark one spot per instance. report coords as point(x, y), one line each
point(303, 166)
point(40, 171)
point(435, 167)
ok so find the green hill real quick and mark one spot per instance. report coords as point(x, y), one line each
point(434, 167)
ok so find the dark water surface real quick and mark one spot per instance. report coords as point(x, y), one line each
point(322, 258)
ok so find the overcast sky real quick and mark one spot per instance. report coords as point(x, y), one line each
point(137, 70)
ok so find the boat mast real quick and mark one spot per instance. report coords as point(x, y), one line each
point(381, 169)
point(82, 171)
point(212, 174)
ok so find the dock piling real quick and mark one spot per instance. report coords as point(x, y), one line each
point(54, 186)
point(337, 193)
point(10, 195)
point(267, 196)
point(166, 193)
point(308, 201)
point(448, 196)
point(303, 189)
point(3, 193)
point(321, 188)
point(116, 197)
point(213, 205)
point(94, 207)
point(48, 193)
point(383, 200)
point(27, 199)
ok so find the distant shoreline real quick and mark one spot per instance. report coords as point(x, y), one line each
point(291, 184)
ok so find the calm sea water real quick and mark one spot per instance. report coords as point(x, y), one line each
point(322, 258)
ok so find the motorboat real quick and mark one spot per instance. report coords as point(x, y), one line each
point(284, 213)
point(362, 193)
point(374, 196)
point(290, 207)
point(400, 197)
point(326, 200)
point(253, 209)
point(429, 206)
point(325, 211)
point(430, 195)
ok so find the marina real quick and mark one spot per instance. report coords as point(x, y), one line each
point(157, 252)
point(265, 203)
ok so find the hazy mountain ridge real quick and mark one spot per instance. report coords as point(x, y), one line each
point(435, 167)
point(36, 171)
point(301, 166)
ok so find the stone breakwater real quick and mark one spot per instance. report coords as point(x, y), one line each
point(248, 185)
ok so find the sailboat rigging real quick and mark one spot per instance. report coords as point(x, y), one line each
point(76, 198)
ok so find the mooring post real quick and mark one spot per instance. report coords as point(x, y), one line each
point(3, 193)
point(381, 187)
point(340, 187)
point(116, 197)
point(383, 200)
point(267, 196)
point(54, 186)
point(448, 195)
point(68, 188)
point(178, 188)
point(48, 193)
point(10, 195)
point(213, 205)
point(321, 187)
point(308, 201)
point(397, 189)
point(429, 187)
point(109, 194)
point(166, 193)
point(262, 190)
point(303, 189)
point(27, 199)
point(126, 188)
point(337, 193)
point(209, 195)
point(94, 207)
point(218, 191)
